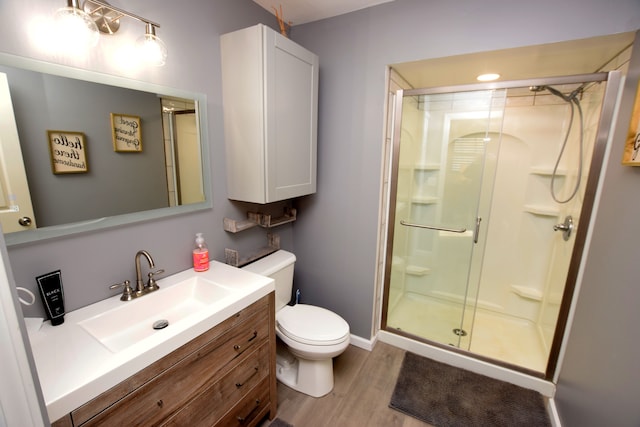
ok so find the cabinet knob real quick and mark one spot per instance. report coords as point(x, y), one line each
point(238, 347)
point(160, 403)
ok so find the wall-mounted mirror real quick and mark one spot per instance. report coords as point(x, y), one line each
point(95, 151)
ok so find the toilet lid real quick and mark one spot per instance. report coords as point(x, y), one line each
point(313, 325)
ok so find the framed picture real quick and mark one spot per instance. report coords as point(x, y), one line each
point(127, 133)
point(68, 152)
point(631, 154)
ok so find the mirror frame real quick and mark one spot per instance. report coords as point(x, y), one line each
point(64, 230)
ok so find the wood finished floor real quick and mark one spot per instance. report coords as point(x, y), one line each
point(363, 384)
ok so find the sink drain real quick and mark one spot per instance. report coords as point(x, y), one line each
point(160, 324)
point(460, 332)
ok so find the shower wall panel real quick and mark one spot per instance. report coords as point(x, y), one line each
point(526, 262)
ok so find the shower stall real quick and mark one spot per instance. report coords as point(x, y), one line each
point(492, 187)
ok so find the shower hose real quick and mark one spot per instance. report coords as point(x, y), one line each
point(573, 101)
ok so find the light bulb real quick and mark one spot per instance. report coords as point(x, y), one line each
point(152, 50)
point(489, 77)
point(75, 31)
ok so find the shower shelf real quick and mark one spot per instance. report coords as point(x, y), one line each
point(424, 200)
point(427, 167)
point(548, 171)
point(527, 292)
point(542, 210)
point(414, 270)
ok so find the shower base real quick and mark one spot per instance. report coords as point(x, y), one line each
point(508, 339)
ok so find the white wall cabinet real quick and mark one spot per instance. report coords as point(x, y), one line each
point(270, 101)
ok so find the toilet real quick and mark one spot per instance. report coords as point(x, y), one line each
point(309, 336)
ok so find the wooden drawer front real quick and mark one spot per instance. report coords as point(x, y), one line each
point(63, 422)
point(155, 401)
point(106, 399)
point(207, 408)
point(250, 410)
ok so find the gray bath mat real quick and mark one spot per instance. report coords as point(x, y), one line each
point(445, 396)
point(279, 423)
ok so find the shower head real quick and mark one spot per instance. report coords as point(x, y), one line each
point(571, 97)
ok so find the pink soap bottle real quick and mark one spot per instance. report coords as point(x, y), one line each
point(200, 254)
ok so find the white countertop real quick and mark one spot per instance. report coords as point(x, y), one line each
point(74, 367)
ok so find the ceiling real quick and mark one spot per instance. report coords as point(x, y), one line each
point(549, 60)
point(302, 11)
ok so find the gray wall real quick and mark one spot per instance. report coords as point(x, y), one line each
point(335, 236)
point(600, 380)
point(125, 182)
point(339, 224)
point(91, 262)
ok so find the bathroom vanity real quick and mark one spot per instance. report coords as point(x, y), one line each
point(216, 367)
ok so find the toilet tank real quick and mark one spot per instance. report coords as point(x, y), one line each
point(279, 267)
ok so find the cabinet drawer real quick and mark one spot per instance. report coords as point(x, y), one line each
point(118, 392)
point(214, 402)
point(250, 410)
point(63, 422)
point(165, 394)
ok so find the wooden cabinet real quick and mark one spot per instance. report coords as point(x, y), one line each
point(225, 376)
point(270, 102)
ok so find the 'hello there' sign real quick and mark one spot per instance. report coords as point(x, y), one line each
point(68, 152)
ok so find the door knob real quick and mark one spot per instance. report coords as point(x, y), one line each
point(25, 221)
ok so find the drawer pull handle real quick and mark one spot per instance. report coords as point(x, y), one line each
point(248, 416)
point(237, 347)
point(160, 403)
point(255, 371)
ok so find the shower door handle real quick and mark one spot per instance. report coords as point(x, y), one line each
point(433, 227)
point(476, 232)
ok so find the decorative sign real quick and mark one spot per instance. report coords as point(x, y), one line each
point(68, 152)
point(127, 133)
point(631, 154)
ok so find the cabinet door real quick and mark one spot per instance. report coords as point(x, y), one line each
point(291, 117)
point(270, 93)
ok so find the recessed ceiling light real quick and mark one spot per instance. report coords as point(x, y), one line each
point(489, 77)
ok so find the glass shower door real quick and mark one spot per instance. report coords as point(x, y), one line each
point(441, 146)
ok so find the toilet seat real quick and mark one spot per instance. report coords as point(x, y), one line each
point(312, 325)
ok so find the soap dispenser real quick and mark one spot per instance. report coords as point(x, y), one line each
point(200, 254)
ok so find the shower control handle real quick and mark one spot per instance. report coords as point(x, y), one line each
point(566, 227)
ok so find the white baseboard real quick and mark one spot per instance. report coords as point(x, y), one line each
point(363, 343)
point(552, 411)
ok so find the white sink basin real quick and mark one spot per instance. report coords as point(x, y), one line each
point(132, 321)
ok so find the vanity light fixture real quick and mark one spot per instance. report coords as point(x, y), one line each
point(151, 48)
point(98, 16)
point(489, 77)
point(76, 31)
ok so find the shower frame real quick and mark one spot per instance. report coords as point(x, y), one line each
point(612, 79)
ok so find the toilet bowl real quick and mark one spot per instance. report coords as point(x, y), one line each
point(309, 336)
